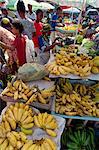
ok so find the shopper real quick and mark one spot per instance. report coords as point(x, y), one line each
point(23, 46)
point(27, 23)
point(5, 14)
point(44, 44)
point(31, 14)
point(55, 22)
point(5, 23)
point(38, 26)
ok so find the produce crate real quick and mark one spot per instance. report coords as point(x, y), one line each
point(85, 118)
point(42, 84)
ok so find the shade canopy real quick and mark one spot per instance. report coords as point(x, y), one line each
point(72, 10)
point(77, 3)
point(46, 5)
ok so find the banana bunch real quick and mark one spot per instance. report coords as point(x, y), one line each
point(81, 89)
point(83, 136)
point(46, 122)
point(65, 64)
point(43, 144)
point(95, 68)
point(13, 140)
point(20, 115)
point(69, 49)
point(73, 104)
point(42, 96)
point(19, 90)
point(63, 86)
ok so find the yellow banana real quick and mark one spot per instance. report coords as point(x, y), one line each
point(40, 119)
point(24, 96)
point(16, 105)
point(32, 98)
point(26, 107)
point(28, 126)
point(49, 118)
point(51, 132)
point(24, 116)
point(23, 136)
point(27, 91)
point(41, 99)
point(15, 112)
point(10, 113)
point(24, 86)
point(51, 125)
point(7, 126)
point(44, 117)
point(19, 144)
point(12, 139)
point(4, 145)
point(6, 90)
point(32, 147)
point(16, 134)
point(51, 143)
point(21, 105)
point(20, 113)
point(11, 122)
point(16, 95)
point(36, 121)
point(81, 90)
point(61, 70)
point(84, 89)
point(30, 94)
point(10, 147)
point(27, 145)
point(20, 87)
point(1, 140)
point(46, 144)
point(29, 119)
point(64, 98)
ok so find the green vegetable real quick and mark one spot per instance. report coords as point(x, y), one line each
point(79, 39)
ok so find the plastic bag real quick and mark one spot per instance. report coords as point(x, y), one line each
point(31, 71)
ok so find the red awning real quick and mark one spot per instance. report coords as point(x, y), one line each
point(65, 7)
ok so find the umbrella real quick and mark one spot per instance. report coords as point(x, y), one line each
point(76, 3)
point(46, 5)
point(13, 3)
point(72, 10)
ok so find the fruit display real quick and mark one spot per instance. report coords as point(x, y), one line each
point(19, 90)
point(76, 99)
point(46, 122)
point(40, 145)
point(69, 49)
point(12, 140)
point(95, 68)
point(65, 64)
point(79, 138)
point(20, 116)
point(18, 141)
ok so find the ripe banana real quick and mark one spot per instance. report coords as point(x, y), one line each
point(36, 121)
point(27, 145)
point(51, 143)
point(27, 126)
point(4, 145)
point(41, 99)
point(7, 126)
point(11, 122)
point(12, 139)
point(51, 132)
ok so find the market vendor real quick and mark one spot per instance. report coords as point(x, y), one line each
point(44, 44)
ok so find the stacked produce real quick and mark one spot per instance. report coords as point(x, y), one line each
point(18, 141)
point(76, 100)
point(95, 68)
point(20, 116)
point(65, 64)
point(47, 122)
point(69, 49)
point(19, 90)
point(79, 138)
point(40, 145)
point(12, 140)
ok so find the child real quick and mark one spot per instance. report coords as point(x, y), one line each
point(23, 46)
